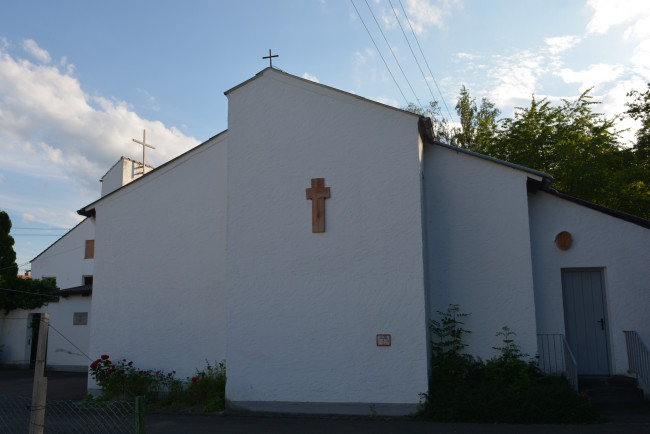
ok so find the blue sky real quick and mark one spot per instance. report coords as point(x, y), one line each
point(80, 79)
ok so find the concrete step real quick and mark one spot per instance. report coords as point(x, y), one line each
point(617, 397)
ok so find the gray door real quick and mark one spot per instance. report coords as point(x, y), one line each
point(584, 320)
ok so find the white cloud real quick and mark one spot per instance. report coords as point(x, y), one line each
point(559, 44)
point(641, 59)
point(37, 52)
point(423, 13)
point(387, 101)
point(310, 77)
point(53, 134)
point(46, 212)
point(515, 77)
point(609, 13)
point(28, 217)
point(592, 77)
point(467, 56)
point(639, 30)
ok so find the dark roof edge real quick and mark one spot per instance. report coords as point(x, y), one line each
point(77, 290)
point(59, 239)
point(427, 134)
point(91, 212)
point(605, 210)
point(259, 74)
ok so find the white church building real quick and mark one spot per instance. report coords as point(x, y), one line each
point(311, 243)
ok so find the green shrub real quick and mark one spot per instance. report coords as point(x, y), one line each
point(504, 389)
point(208, 387)
point(122, 380)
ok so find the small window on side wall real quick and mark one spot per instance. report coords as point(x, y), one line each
point(88, 280)
point(90, 249)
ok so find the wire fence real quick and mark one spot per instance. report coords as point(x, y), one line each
point(70, 417)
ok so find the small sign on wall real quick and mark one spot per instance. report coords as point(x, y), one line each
point(383, 340)
point(80, 318)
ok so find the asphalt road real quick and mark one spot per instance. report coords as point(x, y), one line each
point(72, 386)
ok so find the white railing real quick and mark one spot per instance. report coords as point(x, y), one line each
point(638, 356)
point(556, 358)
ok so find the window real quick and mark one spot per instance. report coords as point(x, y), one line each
point(80, 318)
point(90, 249)
point(88, 280)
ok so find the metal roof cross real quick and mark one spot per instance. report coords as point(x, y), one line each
point(270, 57)
point(145, 145)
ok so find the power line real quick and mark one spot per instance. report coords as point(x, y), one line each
point(425, 59)
point(15, 265)
point(393, 53)
point(412, 52)
point(71, 343)
point(29, 293)
point(380, 55)
point(36, 235)
point(44, 229)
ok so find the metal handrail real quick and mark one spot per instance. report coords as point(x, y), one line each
point(638, 356)
point(556, 358)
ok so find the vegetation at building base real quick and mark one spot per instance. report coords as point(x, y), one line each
point(18, 293)
point(122, 380)
point(579, 147)
point(504, 389)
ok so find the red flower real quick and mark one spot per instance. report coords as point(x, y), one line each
point(104, 356)
point(169, 375)
point(173, 372)
point(94, 364)
point(108, 362)
point(121, 371)
point(124, 360)
point(195, 379)
point(140, 372)
point(130, 363)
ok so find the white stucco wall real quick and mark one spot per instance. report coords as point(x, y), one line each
point(621, 248)
point(61, 353)
point(159, 293)
point(65, 258)
point(304, 309)
point(478, 247)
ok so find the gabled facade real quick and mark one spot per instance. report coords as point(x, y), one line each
point(336, 321)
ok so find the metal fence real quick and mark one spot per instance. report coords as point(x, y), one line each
point(556, 358)
point(70, 417)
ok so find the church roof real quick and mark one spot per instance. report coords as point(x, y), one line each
point(333, 89)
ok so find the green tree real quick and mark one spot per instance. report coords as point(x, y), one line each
point(8, 267)
point(19, 293)
point(579, 147)
point(441, 128)
point(571, 141)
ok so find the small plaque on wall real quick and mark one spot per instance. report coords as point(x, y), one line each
point(80, 318)
point(383, 340)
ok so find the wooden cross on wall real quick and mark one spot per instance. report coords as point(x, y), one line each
point(317, 194)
